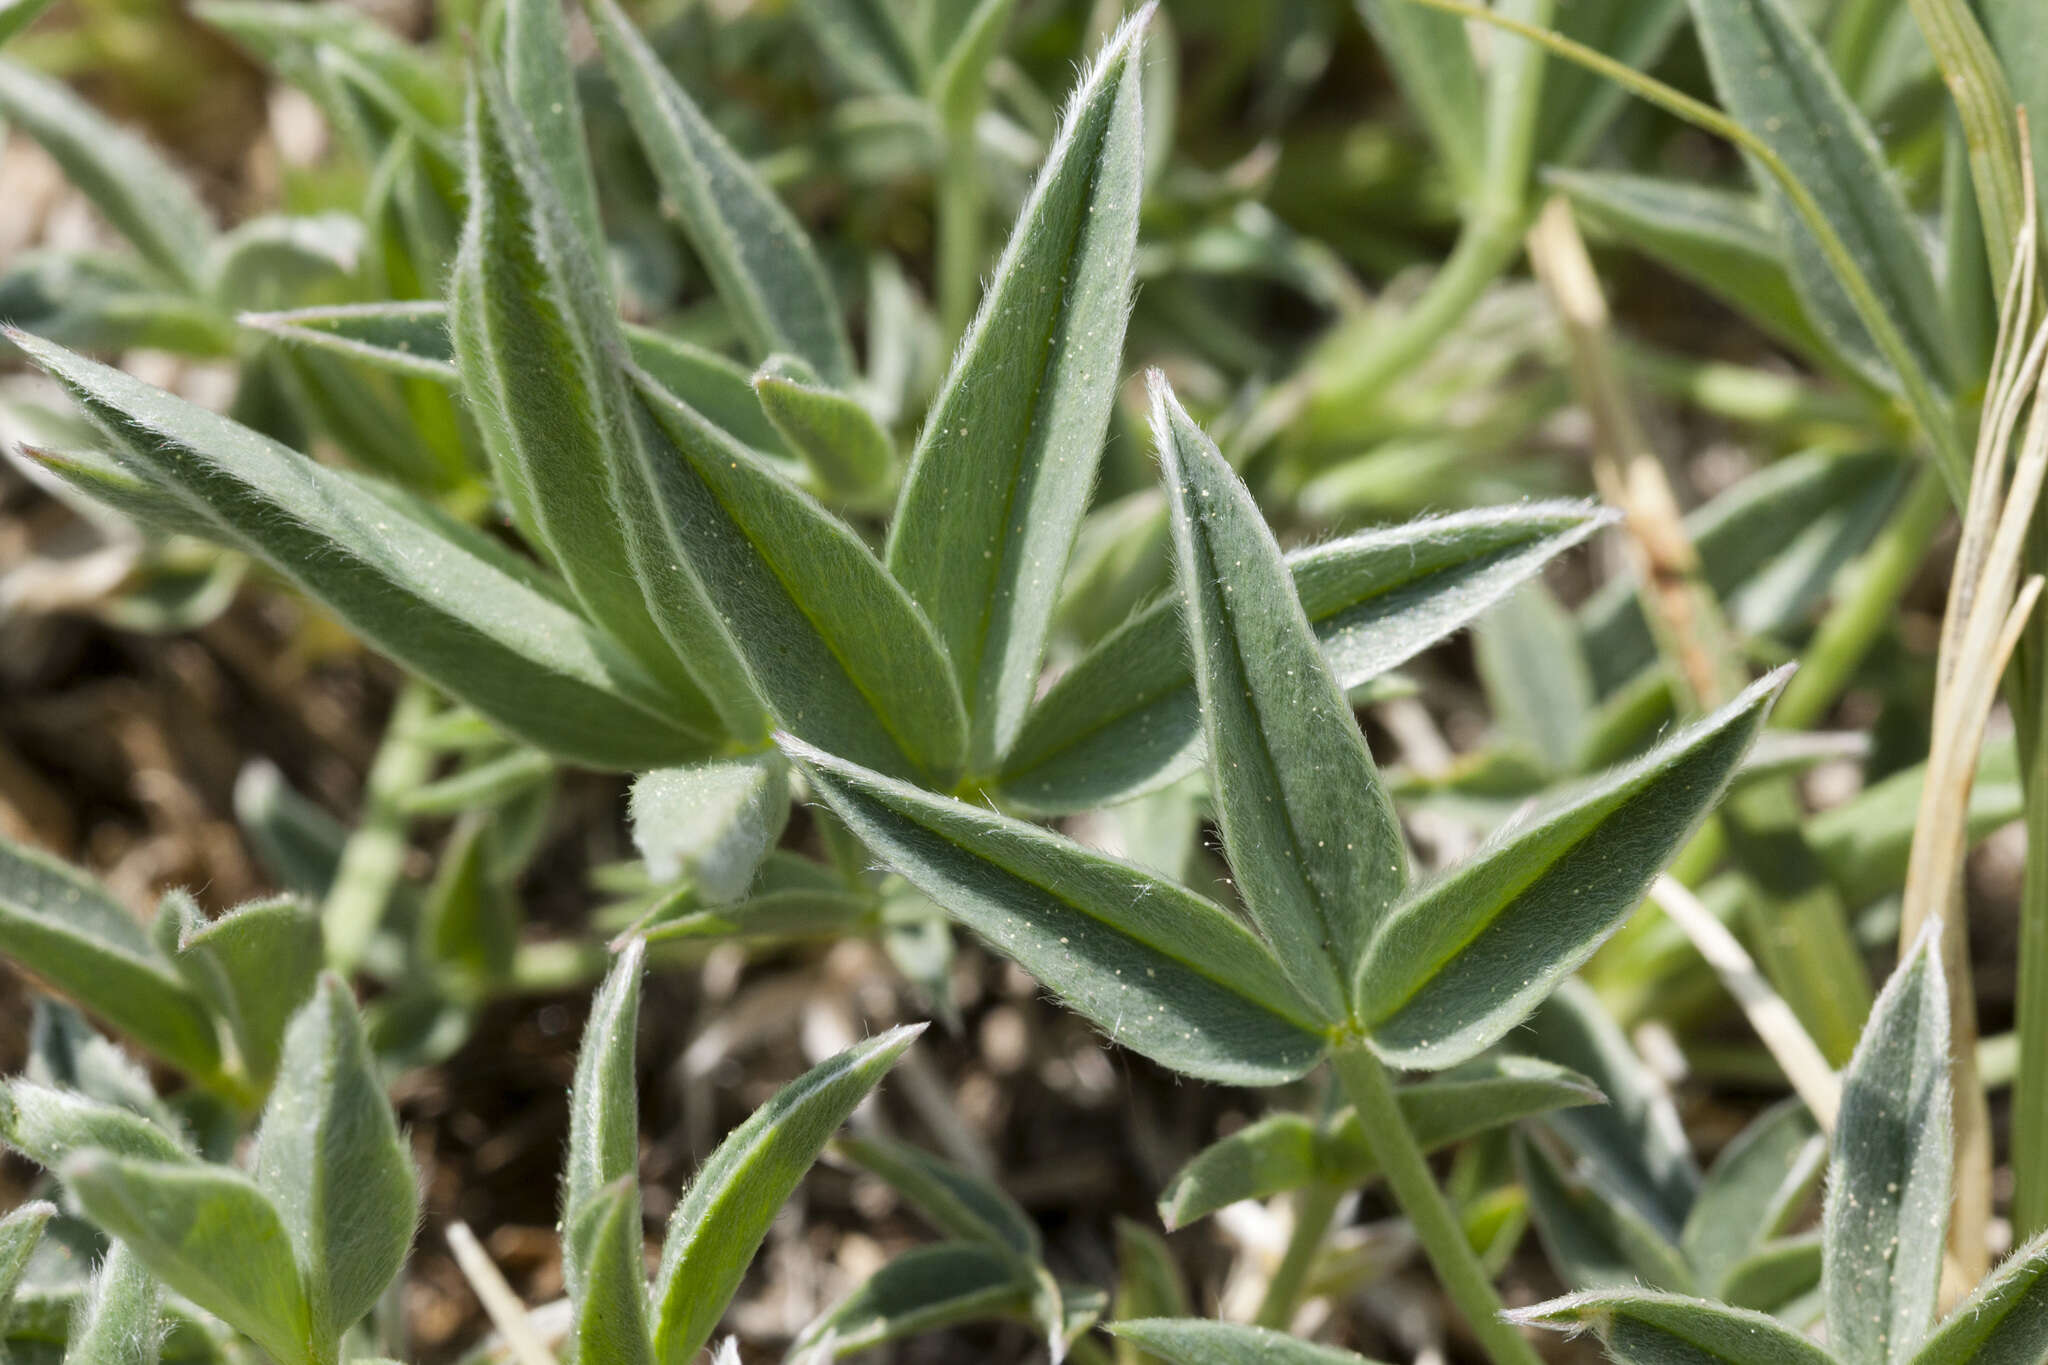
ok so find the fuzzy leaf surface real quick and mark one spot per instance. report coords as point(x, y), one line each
point(1197, 1341)
point(955, 1202)
point(838, 439)
point(49, 1126)
point(603, 1238)
point(711, 822)
point(926, 1289)
point(604, 1107)
point(119, 1321)
point(1639, 1327)
point(255, 966)
point(2005, 1322)
point(1759, 1184)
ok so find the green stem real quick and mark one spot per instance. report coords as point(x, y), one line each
point(1442, 1235)
point(374, 857)
point(1314, 1206)
point(959, 244)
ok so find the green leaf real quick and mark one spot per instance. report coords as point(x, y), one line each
point(835, 647)
point(209, 1234)
point(144, 199)
point(726, 1212)
point(866, 41)
point(16, 15)
point(120, 1323)
point(1639, 1327)
point(255, 966)
point(538, 348)
point(959, 83)
point(58, 924)
point(48, 1126)
point(1125, 719)
point(469, 922)
point(1283, 1152)
point(1578, 104)
point(1431, 59)
point(1527, 652)
point(1466, 958)
point(1195, 1341)
point(20, 1230)
point(923, 1290)
point(1775, 80)
point(1006, 460)
point(603, 1237)
point(1781, 1278)
point(604, 1104)
point(404, 337)
point(1759, 1185)
point(846, 450)
point(1594, 1235)
point(2016, 35)
point(542, 81)
point(1719, 239)
point(67, 1053)
point(1886, 1218)
point(1156, 967)
point(2005, 1322)
point(711, 823)
point(456, 619)
point(716, 385)
point(330, 1160)
point(955, 1202)
point(1312, 838)
point(757, 254)
point(1149, 1284)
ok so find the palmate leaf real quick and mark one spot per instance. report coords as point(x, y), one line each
point(1886, 1217)
point(1640, 1327)
point(58, 924)
point(725, 1213)
point(1776, 81)
point(1125, 720)
point(1311, 835)
point(2005, 1322)
point(1196, 1341)
point(1284, 1152)
point(399, 581)
point(1156, 967)
point(759, 257)
point(1006, 460)
point(1467, 957)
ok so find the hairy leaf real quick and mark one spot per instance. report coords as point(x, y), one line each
point(2005, 1322)
point(119, 1324)
point(255, 966)
point(1640, 1327)
point(924, 1290)
point(48, 1126)
point(955, 1202)
point(1761, 1182)
point(1195, 1341)
point(405, 337)
point(603, 1238)
point(711, 822)
point(847, 452)
point(541, 79)
point(604, 1105)
point(1595, 1236)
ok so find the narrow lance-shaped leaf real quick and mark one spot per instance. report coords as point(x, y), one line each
point(756, 252)
point(2005, 1322)
point(329, 1158)
point(1125, 719)
point(1430, 57)
point(926, 1289)
point(1774, 78)
point(453, 617)
point(1467, 957)
point(542, 81)
point(1196, 1341)
point(405, 337)
point(603, 1237)
point(119, 1322)
point(49, 1126)
point(147, 201)
point(953, 1201)
point(536, 343)
point(1595, 1235)
point(56, 923)
point(1156, 967)
point(209, 1234)
point(1007, 457)
point(846, 450)
point(834, 645)
point(712, 822)
point(1312, 838)
point(1886, 1220)
point(1641, 1327)
point(604, 1104)
point(866, 40)
point(1758, 1186)
point(725, 1213)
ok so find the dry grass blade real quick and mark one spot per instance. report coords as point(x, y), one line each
point(503, 1307)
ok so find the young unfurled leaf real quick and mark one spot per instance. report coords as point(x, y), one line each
point(1719, 239)
point(1759, 1185)
point(955, 1202)
point(118, 1324)
point(1886, 1219)
point(1285, 1152)
point(209, 1234)
point(2005, 1320)
point(835, 647)
point(56, 923)
point(48, 1126)
point(329, 1158)
point(537, 345)
point(712, 822)
point(1156, 967)
point(604, 1105)
point(456, 619)
point(714, 384)
point(405, 337)
point(1641, 1327)
point(1774, 78)
point(1125, 719)
point(542, 82)
point(1006, 460)
point(924, 1290)
point(846, 450)
point(1463, 960)
point(756, 252)
point(255, 966)
point(146, 201)
point(726, 1211)
point(1311, 835)
point(1196, 1341)
point(603, 1238)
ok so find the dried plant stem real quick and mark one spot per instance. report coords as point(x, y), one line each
point(500, 1304)
point(1437, 1227)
